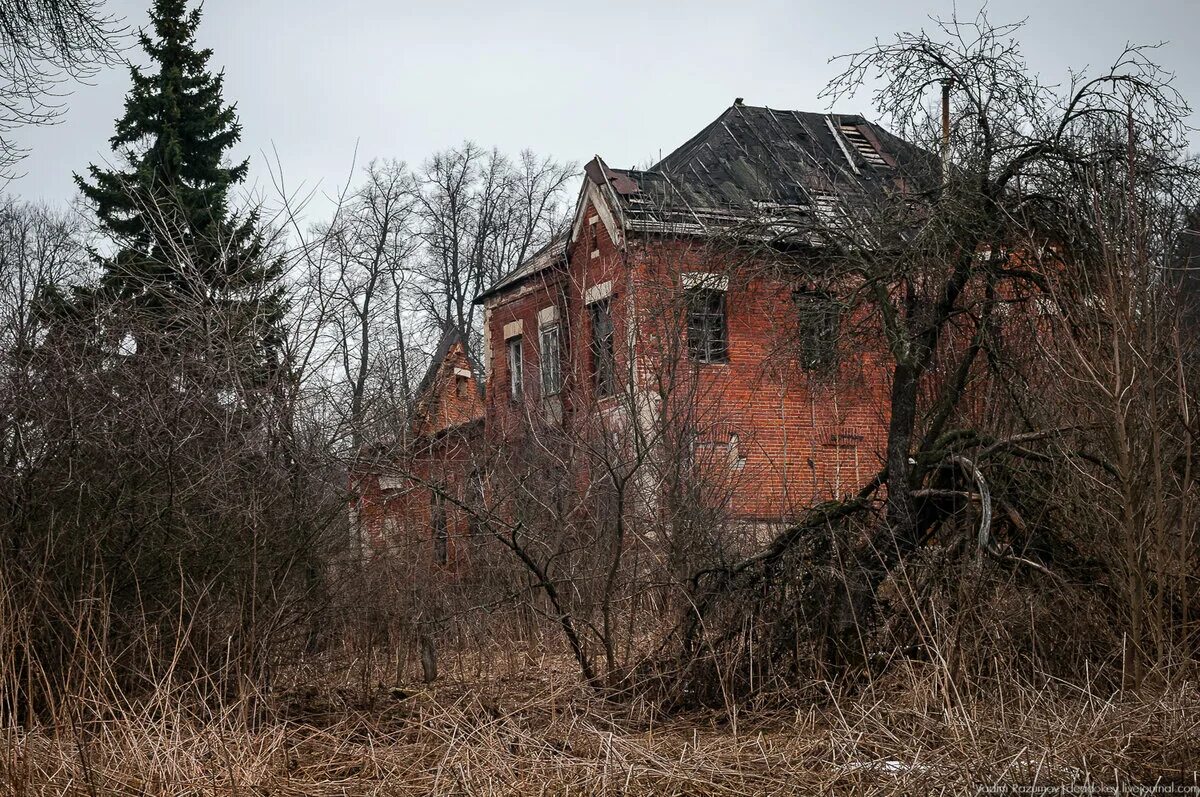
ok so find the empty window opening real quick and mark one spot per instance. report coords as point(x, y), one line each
point(819, 317)
point(461, 386)
point(516, 369)
point(551, 357)
point(441, 534)
point(863, 145)
point(604, 357)
point(707, 330)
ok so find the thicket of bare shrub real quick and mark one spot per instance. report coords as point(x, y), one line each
point(168, 512)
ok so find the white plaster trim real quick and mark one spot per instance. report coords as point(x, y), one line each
point(511, 330)
point(487, 342)
point(605, 214)
point(591, 198)
point(598, 292)
point(462, 372)
point(704, 279)
point(548, 316)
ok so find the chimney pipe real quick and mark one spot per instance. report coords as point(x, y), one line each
point(946, 84)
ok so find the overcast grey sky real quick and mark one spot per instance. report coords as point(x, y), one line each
point(626, 80)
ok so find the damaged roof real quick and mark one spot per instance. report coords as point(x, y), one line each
point(763, 162)
point(755, 163)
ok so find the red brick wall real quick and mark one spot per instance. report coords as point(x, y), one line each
point(394, 500)
point(780, 437)
point(800, 437)
point(451, 399)
point(506, 419)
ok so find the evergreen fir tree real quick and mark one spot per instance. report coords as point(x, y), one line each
point(179, 245)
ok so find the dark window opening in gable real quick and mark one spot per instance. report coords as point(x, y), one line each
point(707, 329)
point(441, 534)
point(551, 358)
point(595, 237)
point(819, 315)
point(516, 369)
point(603, 345)
point(460, 386)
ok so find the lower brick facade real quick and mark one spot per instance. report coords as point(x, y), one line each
point(789, 436)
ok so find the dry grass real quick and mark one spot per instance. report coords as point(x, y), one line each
point(534, 731)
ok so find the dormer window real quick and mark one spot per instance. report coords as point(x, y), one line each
point(864, 146)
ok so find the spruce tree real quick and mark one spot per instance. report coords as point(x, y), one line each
point(178, 244)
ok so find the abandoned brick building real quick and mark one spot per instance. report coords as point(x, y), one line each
point(667, 320)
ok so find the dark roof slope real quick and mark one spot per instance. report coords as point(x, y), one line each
point(757, 164)
point(756, 161)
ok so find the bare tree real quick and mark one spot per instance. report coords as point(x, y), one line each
point(43, 44)
point(481, 217)
point(365, 275)
point(173, 503)
point(1017, 151)
point(41, 251)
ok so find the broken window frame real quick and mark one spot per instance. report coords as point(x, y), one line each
point(603, 348)
point(551, 359)
point(707, 325)
point(818, 317)
point(516, 369)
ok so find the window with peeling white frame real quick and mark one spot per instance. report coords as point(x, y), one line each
point(551, 360)
point(707, 326)
point(819, 316)
point(516, 369)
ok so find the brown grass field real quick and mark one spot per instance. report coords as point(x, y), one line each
point(530, 728)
